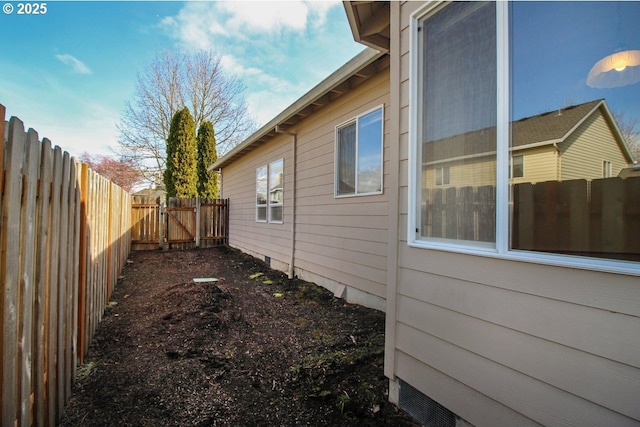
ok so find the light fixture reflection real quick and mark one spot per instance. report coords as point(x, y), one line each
point(616, 70)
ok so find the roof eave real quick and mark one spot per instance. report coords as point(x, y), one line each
point(315, 95)
point(371, 29)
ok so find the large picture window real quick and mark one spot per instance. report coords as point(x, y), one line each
point(554, 86)
point(359, 155)
point(270, 192)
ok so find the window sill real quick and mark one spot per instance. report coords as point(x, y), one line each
point(630, 268)
point(344, 196)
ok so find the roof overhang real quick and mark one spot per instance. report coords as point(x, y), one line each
point(370, 22)
point(359, 69)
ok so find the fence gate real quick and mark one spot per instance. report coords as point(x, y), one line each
point(181, 224)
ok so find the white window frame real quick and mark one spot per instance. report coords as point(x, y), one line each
point(501, 248)
point(607, 169)
point(442, 172)
point(336, 151)
point(268, 205)
point(512, 163)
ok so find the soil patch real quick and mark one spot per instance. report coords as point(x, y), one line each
point(251, 349)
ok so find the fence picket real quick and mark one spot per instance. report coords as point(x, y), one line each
point(10, 273)
point(41, 341)
point(27, 269)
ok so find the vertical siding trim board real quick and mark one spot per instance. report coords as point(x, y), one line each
point(393, 170)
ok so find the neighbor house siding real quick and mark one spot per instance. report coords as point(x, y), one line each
point(339, 241)
point(540, 164)
point(585, 150)
point(503, 343)
point(473, 172)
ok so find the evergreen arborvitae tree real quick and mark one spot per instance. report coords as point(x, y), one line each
point(207, 155)
point(181, 175)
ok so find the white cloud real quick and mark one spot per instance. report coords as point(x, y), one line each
point(278, 49)
point(76, 65)
point(265, 16)
point(271, 94)
point(203, 25)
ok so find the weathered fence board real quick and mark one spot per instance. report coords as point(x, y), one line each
point(465, 213)
point(64, 238)
point(595, 218)
point(214, 222)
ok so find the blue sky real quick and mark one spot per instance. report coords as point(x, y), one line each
point(555, 44)
point(68, 73)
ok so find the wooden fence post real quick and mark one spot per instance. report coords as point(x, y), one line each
point(162, 227)
point(198, 221)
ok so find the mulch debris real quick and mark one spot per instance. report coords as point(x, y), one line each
point(250, 349)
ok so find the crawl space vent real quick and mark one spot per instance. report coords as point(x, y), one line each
point(424, 410)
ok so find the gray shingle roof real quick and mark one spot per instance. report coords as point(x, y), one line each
point(550, 126)
point(545, 128)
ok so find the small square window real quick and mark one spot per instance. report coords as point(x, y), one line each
point(359, 155)
point(517, 166)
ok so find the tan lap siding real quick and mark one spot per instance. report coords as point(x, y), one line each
point(239, 185)
point(343, 239)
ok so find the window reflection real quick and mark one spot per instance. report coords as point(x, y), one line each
point(575, 137)
point(458, 135)
point(574, 134)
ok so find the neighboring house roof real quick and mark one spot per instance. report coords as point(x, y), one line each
point(370, 22)
point(631, 171)
point(553, 126)
point(151, 192)
point(548, 128)
point(359, 69)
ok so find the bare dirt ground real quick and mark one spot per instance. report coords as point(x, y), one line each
point(252, 349)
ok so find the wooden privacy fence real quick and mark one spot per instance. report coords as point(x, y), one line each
point(465, 213)
point(180, 224)
point(598, 218)
point(64, 237)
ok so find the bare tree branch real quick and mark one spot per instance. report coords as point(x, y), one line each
point(630, 130)
point(175, 80)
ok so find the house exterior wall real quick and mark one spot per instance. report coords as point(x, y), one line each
point(585, 150)
point(502, 342)
point(239, 185)
point(341, 243)
point(474, 172)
